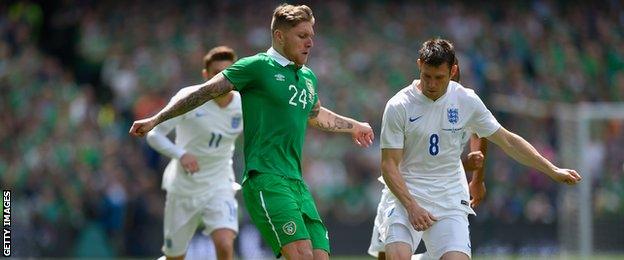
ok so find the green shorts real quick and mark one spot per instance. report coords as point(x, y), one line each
point(283, 210)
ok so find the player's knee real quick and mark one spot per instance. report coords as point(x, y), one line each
point(224, 245)
point(397, 255)
point(299, 250)
point(306, 253)
point(303, 252)
point(398, 250)
point(224, 242)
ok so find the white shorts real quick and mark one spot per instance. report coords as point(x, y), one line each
point(376, 244)
point(449, 233)
point(183, 215)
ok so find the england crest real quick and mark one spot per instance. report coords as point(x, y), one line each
point(453, 115)
point(236, 120)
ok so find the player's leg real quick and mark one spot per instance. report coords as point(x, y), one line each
point(449, 238)
point(398, 242)
point(319, 238)
point(399, 238)
point(319, 235)
point(320, 254)
point(382, 256)
point(298, 250)
point(180, 223)
point(177, 242)
point(223, 239)
point(276, 211)
point(221, 220)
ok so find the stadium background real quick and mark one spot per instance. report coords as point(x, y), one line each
point(75, 74)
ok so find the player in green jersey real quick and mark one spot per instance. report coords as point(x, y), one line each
point(279, 99)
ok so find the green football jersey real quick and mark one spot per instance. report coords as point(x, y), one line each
point(277, 98)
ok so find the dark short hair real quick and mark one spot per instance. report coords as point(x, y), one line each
point(287, 16)
point(436, 52)
point(218, 54)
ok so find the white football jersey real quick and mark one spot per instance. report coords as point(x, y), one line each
point(208, 132)
point(432, 135)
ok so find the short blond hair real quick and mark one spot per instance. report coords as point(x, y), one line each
point(218, 54)
point(287, 16)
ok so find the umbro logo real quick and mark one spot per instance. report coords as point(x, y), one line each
point(200, 114)
point(280, 77)
point(412, 119)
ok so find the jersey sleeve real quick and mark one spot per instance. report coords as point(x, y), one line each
point(157, 137)
point(482, 121)
point(392, 127)
point(243, 72)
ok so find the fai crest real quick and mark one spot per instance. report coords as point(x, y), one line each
point(236, 120)
point(289, 228)
point(453, 115)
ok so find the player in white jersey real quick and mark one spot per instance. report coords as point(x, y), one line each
point(199, 179)
point(473, 163)
point(423, 128)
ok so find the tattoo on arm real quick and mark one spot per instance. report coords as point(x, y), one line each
point(215, 87)
point(331, 121)
point(342, 124)
point(315, 110)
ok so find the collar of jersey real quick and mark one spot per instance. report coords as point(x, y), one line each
point(279, 58)
point(424, 98)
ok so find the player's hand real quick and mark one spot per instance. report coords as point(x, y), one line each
point(141, 127)
point(189, 163)
point(566, 176)
point(362, 134)
point(477, 193)
point(420, 218)
point(474, 161)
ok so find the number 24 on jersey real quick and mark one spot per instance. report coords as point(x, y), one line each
point(302, 96)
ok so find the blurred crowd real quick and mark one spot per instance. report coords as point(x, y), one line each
point(75, 74)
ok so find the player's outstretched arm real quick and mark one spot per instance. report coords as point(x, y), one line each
point(214, 87)
point(476, 156)
point(326, 120)
point(157, 139)
point(419, 217)
point(475, 163)
point(523, 152)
